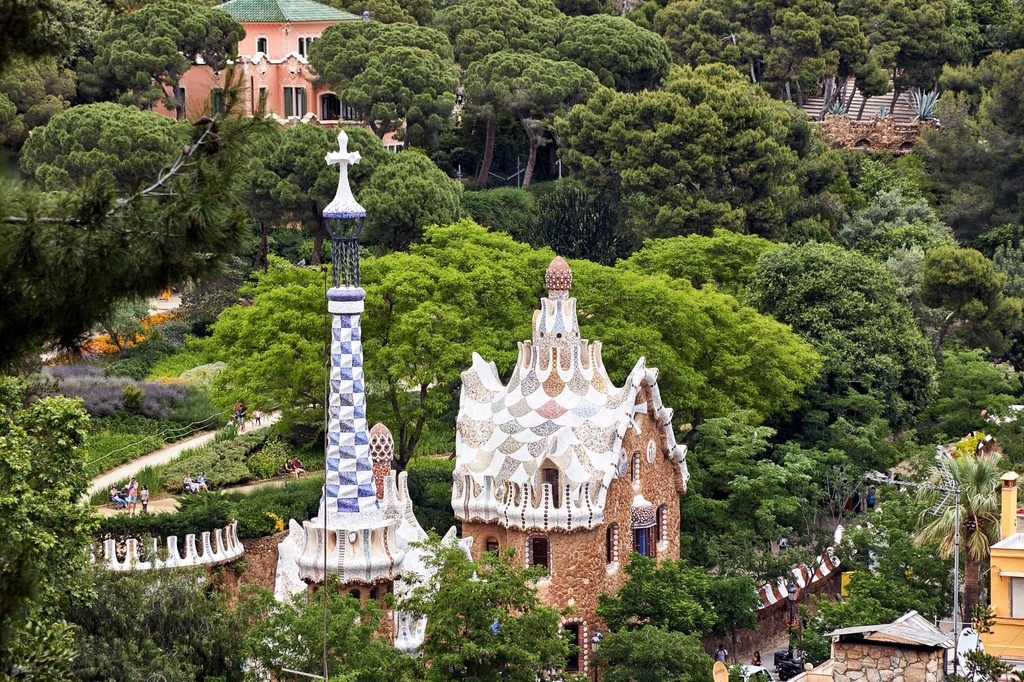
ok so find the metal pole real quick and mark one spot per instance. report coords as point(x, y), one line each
point(956, 577)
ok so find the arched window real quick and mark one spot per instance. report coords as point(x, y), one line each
point(549, 475)
point(635, 469)
point(538, 552)
point(643, 542)
point(354, 594)
point(261, 44)
point(662, 524)
point(491, 545)
point(572, 665)
point(611, 546)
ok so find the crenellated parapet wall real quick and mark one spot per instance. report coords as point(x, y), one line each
point(219, 547)
point(879, 134)
point(368, 551)
point(527, 506)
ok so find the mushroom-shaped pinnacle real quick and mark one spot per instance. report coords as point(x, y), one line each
point(558, 279)
point(382, 451)
point(382, 445)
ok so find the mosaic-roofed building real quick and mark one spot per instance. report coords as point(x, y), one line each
point(568, 469)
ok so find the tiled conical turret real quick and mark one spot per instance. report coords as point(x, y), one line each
point(354, 535)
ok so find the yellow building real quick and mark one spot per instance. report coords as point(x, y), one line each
point(1007, 587)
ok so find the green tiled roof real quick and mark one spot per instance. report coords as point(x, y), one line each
point(265, 11)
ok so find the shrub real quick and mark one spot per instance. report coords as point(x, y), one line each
point(505, 209)
point(196, 408)
point(223, 461)
point(132, 397)
point(139, 359)
point(266, 462)
point(104, 395)
point(259, 513)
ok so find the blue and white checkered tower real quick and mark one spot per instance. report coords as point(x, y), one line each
point(349, 486)
point(354, 534)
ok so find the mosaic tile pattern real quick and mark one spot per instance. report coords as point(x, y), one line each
point(559, 408)
point(350, 486)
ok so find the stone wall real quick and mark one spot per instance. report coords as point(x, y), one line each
point(880, 134)
point(860, 661)
point(579, 571)
point(771, 624)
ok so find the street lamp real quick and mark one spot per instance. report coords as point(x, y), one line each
point(791, 594)
point(595, 643)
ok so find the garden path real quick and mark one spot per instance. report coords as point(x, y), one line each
point(163, 456)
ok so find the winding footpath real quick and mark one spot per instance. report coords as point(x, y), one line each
point(163, 456)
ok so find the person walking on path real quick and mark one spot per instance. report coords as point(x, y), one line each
point(133, 495)
point(721, 654)
point(258, 416)
point(144, 499)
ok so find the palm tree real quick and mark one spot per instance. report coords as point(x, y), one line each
point(978, 478)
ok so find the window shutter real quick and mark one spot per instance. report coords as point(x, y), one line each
point(300, 104)
point(289, 102)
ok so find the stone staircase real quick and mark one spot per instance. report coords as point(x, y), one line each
point(903, 112)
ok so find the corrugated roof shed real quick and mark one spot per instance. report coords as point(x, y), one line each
point(269, 11)
point(910, 628)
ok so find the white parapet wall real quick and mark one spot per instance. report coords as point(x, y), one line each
point(218, 547)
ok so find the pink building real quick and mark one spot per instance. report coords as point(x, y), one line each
point(273, 62)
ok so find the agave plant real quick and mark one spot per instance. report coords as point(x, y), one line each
point(883, 111)
point(923, 103)
point(837, 109)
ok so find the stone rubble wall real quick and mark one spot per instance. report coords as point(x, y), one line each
point(880, 134)
point(870, 662)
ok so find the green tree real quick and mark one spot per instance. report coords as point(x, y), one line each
point(965, 283)
point(484, 619)
point(726, 260)
point(877, 363)
point(274, 348)
point(343, 50)
point(528, 87)
point(124, 322)
point(32, 93)
point(142, 55)
point(653, 655)
point(103, 143)
point(477, 28)
point(891, 221)
point(392, 74)
point(978, 479)
point(404, 196)
point(173, 624)
point(652, 151)
point(623, 55)
point(291, 635)
point(970, 389)
point(66, 258)
point(676, 597)
point(575, 223)
point(43, 549)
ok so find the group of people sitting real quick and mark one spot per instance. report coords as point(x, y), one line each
point(190, 485)
point(293, 467)
point(128, 496)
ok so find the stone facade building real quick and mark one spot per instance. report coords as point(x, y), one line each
point(910, 649)
point(567, 469)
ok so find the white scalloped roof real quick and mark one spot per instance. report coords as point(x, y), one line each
point(559, 406)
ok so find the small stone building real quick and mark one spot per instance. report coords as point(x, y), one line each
point(571, 471)
point(910, 649)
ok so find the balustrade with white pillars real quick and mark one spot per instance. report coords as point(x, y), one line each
point(219, 547)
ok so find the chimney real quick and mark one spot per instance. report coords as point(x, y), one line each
point(1008, 512)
